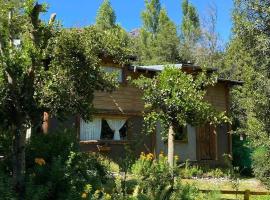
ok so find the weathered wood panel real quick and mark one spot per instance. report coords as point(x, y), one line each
point(216, 95)
point(124, 100)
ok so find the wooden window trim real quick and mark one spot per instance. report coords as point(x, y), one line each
point(120, 142)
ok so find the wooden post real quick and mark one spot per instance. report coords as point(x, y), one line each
point(246, 195)
point(170, 146)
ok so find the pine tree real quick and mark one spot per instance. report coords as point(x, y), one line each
point(106, 17)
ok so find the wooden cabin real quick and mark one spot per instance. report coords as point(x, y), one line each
point(117, 125)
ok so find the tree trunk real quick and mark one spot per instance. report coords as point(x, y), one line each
point(170, 146)
point(18, 161)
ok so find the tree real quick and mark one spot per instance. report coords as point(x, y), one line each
point(106, 16)
point(247, 59)
point(46, 69)
point(209, 51)
point(158, 41)
point(173, 98)
point(190, 31)
point(151, 16)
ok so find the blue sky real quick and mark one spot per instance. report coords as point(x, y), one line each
point(74, 13)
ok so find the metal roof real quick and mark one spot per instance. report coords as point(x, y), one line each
point(156, 67)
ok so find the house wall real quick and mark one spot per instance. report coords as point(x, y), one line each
point(185, 150)
point(137, 142)
point(126, 99)
point(218, 97)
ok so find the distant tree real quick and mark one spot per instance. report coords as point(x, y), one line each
point(106, 17)
point(46, 69)
point(174, 98)
point(158, 42)
point(209, 51)
point(190, 31)
point(166, 45)
point(151, 16)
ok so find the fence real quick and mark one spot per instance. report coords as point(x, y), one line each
point(246, 193)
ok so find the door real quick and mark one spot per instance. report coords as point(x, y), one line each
point(207, 144)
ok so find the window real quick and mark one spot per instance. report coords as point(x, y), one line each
point(180, 133)
point(116, 70)
point(103, 129)
point(108, 134)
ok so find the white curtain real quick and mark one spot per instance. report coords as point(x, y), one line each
point(28, 133)
point(116, 125)
point(90, 130)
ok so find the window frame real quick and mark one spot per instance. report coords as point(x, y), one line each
point(106, 140)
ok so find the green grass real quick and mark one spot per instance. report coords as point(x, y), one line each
point(219, 184)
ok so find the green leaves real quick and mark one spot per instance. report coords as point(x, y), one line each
point(106, 16)
point(174, 97)
point(53, 69)
point(158, 41)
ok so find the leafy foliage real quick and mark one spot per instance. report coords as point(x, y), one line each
point(44, 68)
point(151, 16)
point(190, 31)
point(175, 97)
point(57, 170)
point(248, 59)
point(158, 41)
point(106, 16)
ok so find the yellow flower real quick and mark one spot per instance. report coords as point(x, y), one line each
point(40, 161)
point(108, 197)
point(142, 156)
point(149, 156)
point(84, 195)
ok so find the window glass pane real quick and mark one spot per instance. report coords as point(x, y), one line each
point(180, 133)
point(108, 134)
point(116, 70)
point(106, 131)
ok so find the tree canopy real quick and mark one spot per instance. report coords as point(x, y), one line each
point(106, 17)
point(44, 68)
point(247, 59)
point(174, 98)
point(158, 41)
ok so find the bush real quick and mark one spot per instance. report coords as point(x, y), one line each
point(57, 170)
point(242, 155)
point(6, 192)
point(5, 151)
point(190, 171)
point(155, 177)
point(261, 164)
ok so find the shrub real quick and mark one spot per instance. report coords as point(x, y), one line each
point(57, 170)
point(261, 164)
point(6, 192)
point(242, 155)
point(154, 176)
point(215, 173)
point(190, 171)
point(5, 151)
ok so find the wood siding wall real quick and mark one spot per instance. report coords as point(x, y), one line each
point(216, 95)
point(127, 99)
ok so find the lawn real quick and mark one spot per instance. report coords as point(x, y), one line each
point(225, 184)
